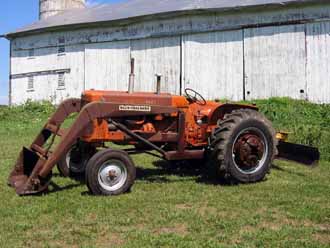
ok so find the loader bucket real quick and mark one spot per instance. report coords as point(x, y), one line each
point(27, 163)
point(33, 169)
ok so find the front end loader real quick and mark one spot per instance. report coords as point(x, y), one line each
point(236, 140)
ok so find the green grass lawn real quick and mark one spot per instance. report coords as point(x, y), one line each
point(168, 207)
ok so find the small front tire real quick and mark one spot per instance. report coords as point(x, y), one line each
point(110, 172)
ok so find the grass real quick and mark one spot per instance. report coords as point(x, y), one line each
point(173, 207)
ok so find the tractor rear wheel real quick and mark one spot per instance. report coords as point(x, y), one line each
point(243, 146)
point(110, 172)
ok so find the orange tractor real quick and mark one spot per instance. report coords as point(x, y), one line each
point(236, 140)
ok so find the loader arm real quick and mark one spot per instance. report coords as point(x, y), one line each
point(33, 168)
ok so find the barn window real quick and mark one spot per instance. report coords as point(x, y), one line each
point(61, 50)
point(61, 81)
point(31, 53)
point(30, 86)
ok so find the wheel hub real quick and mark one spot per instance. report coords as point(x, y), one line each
point(248, 150)
point(112, 175)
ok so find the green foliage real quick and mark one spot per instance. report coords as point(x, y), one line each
point(307, 123)
point(26, 112)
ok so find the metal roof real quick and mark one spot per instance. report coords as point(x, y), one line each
point(143, 8)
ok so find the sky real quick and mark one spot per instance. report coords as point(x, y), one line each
point(16, 14)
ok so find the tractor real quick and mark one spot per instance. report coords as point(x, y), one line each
point(234, 140)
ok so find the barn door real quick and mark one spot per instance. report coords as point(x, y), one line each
point(275, 62)
point(318, 62)
point(213, 64)
point(157, 56)
point(107, 65)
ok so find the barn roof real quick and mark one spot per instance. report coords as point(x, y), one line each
point(131, 9)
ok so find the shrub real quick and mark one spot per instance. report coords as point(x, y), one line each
point(307, 123)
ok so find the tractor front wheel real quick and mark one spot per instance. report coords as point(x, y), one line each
point(243, 146)
point(110, 172)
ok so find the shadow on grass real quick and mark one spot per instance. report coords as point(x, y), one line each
point(56, 188)
point(79, 179)
point(284, 170)
point(187, 171)
point(163, 170)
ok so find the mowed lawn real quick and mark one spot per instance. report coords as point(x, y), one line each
point(167, 207)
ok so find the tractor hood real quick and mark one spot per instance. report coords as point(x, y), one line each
point(142, 98)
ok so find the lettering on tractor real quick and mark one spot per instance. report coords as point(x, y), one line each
point(135, 108)
point(234, 140)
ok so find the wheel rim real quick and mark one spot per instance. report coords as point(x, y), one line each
point(250, 150)
point(112, 175)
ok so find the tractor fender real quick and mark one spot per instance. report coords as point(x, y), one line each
point(223, 109)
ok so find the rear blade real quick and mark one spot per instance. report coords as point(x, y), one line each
point(298, 153)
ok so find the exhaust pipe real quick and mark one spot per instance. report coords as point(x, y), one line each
point(159, 79)
point(131, 78)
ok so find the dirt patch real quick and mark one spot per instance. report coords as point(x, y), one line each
point(138, 227)
point(183, 206)
point(179, 229)
point(109, 239)
point(207, 211)
point(324, 228)
point(323, 238)
point(51, 243)
point(92, 217)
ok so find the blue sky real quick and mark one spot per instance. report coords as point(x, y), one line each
point(15, 14)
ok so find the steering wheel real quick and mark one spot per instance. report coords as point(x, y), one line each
point(194, 96)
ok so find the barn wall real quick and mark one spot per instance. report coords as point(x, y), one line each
point(275, 62)
point(107, 65)
point(175, 26)
point(44, 66)
point(318, 62)
point(157, 56)
point(197, 52)
point(213, 64)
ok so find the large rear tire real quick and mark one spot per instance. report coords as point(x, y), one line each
point(243, 146)
point(110, 172)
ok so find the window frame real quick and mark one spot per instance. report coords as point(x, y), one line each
point(61, 81)
point(30, 83)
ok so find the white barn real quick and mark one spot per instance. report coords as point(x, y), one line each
point(233, 49)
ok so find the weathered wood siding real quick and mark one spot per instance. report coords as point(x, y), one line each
point(318, 62)
point(213, 64)
point(229, 55)
point(172, 26)
point(275, 62)
point(107, 65)
point(44, 61)
point(157, 56)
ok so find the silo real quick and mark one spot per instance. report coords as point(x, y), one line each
point(49, 8)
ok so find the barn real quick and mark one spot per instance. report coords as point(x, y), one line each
point(224, 49)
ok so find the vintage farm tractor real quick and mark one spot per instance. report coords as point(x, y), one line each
point(236, 140)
